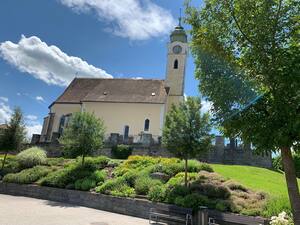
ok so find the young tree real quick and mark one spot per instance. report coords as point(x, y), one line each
point(83, 135)
point(14, 135)
point(247, 60)
point(186, 131)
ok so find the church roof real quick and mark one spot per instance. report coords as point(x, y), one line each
point(114, 90)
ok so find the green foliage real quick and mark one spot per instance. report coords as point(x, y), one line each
point(121, 151)
point(11, 166)
point(71, 173)
point(186, 131)
point(27, 176)
point(143, 184)
point(31, 157)
point(247, 55)
point(116, 187)
point(83, 136)
point(14, 136)
point(91, 181)
point(157, 193)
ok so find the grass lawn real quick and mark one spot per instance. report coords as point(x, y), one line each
point(260, 179)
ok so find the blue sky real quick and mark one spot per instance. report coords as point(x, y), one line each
point(122, 38)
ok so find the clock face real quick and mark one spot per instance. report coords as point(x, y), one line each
point(177, 49)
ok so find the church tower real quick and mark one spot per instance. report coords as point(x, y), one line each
point(177, 56)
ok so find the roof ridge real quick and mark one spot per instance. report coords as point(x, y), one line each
point(101, 78)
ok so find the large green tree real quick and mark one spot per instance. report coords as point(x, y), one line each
point(186, 132)
point(14, 135)
point(247, 56)
point(83, 135)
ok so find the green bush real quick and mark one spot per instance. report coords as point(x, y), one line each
point(109, 185)
point(31, 157)
point(85, 184)
point(69, 175)
point(130, 177)
point(143, 184)
point(177, 191)
point(121, 151)
point(27, 176)
point(157, 193)
point(90, 182)
point(11, 166)
point(98, 162)
point(192, 201)
point(116, 187)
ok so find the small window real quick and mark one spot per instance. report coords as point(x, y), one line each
point(176, 64)
point(126, 132)
point(147, 125)
point(61, 124)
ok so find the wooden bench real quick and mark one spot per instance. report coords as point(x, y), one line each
point(171, 215)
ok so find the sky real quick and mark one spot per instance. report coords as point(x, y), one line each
point(45, 44)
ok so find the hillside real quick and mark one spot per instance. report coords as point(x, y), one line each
point(259, 179)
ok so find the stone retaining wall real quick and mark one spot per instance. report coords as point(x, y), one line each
point(127, 206)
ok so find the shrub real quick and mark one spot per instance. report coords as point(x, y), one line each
point(121, 151)
point(176, 191)
point(98, 162)
point(90, 182)
point(109, 185)
point(31, 157)
point(130, 177)
point(157, 193)
point(192, 201)
point(143, 184)
point(196, 166)
point(85, 184)
point(116, 187)
point(27, 176)
point(69, 175)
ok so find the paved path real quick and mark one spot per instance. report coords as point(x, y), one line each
point(29, 211)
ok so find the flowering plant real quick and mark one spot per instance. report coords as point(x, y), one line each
point(282, 219)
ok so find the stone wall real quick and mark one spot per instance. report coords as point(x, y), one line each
point(232, 153)
point(127, 206)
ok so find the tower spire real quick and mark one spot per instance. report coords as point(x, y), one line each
point(179, 19)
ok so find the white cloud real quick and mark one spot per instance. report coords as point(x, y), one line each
point(133, 19)
point(4, 99)
point(47, 63)
point(206, 106)
point(137, 78)
point(31, 117)
point(33, 129)
point(5, 112)
point(40, 98)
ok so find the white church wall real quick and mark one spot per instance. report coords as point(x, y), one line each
point(117, 115)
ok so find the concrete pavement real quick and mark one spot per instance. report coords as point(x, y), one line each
point(15, 210)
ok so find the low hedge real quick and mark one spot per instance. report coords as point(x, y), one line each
point(27, 176)
point(121, 151)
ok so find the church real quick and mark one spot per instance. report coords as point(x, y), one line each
point(128, 107)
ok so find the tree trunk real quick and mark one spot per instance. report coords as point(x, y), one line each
point(291, 181)
point(185, 172)
point(82, 162)
point(4, 159)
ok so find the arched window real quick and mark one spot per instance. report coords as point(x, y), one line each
point(147, 125)
point(176, 64)
point(126, 132)
point(61, 124)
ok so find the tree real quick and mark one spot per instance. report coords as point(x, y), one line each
point(247, 57)
point(186, 131)
point(14, 135)
point(83, 135)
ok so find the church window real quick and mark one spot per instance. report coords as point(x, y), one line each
point(61, 124)
point(126, 132)
point(176, 64)
point(147, 125)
